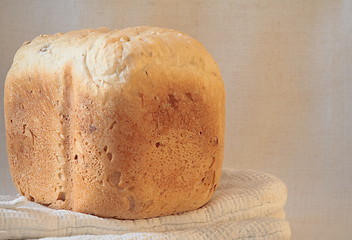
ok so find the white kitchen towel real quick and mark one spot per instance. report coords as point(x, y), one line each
point(246, 205)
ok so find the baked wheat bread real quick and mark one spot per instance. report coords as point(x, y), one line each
point(116, 123)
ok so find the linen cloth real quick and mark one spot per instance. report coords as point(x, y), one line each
point(247, 205)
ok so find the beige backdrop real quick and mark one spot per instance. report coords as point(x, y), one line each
point(288, 77)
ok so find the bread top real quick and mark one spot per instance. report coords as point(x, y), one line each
point(105, 59)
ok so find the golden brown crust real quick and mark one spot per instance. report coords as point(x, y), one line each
point(126, 124)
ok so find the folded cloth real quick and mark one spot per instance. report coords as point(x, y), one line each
point(246, 205)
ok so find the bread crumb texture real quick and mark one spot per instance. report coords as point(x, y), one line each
point(115, 123)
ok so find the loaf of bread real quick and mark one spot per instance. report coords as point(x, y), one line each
point(115, 123)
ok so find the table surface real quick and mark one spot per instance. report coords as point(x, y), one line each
point(287, 71)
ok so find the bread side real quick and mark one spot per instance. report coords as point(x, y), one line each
point(37, 107)
point(124, 123)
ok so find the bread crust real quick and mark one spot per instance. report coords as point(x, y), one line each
point(116, 123)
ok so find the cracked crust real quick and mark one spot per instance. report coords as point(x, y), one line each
point(123, 123)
